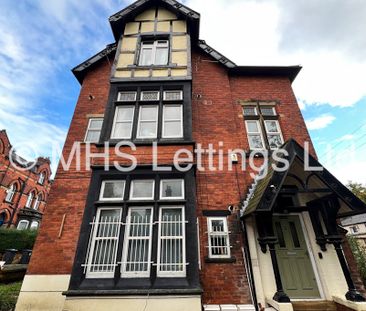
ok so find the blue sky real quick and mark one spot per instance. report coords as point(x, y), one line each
point(42, 40)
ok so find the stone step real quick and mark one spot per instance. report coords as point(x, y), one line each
point(314, 306)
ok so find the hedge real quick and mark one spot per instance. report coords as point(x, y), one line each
point(17, 239)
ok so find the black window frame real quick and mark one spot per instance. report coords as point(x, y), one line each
point(153, 284)
point(186, 103)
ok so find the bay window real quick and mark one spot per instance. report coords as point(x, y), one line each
point(110, 230)
point(148, 115)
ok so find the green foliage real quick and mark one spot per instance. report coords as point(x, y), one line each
point(18, 239)
point(358, 189)
point(8, 295)
point(360, 255)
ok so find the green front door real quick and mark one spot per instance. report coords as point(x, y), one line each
point(295, 267)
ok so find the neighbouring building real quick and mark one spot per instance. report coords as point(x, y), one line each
point(24, 188)
point(356, 227)
point(218, 235)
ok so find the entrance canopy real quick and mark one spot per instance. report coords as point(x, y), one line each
point(293, 189)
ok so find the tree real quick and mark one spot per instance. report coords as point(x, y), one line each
point(358, 189)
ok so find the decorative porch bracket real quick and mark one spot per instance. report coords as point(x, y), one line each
point(267, 237)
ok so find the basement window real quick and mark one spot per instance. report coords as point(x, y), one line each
point(218, 237)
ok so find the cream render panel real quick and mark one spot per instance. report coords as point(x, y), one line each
point(179, 58)
point(179, 42)
point(132, 28)
point(147, 27)
point(148, 15)
point(164, 14)
point(163, 26)
point(158, 21)
point(124, 60)
point(179, 26)
point(129, 44)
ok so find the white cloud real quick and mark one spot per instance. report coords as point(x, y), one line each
point(319, 122)
point(280, 32)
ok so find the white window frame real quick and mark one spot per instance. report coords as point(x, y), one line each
point(171, 91)
point(128, 238)
point(212, 233)
point(249, 115)
point(89, 129)
point(149, 100)
point(102, 188)
point(150, 120)
point(255, 133)
point(172, 274)
point(23, 221)
point(172, 198)
point(37, 202)
point(127, 92)
point(29, 199)
point(42, 178)
point(154, 47)
point(32, 227)
point(91, 248)
point(113, 135)
point(268, 115)
point(279, 132)
point(180, 135)
point(132, 185)
point(10, 193)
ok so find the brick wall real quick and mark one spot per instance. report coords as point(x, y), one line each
point(10, 174)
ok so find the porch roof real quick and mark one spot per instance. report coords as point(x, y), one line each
point(264, 191)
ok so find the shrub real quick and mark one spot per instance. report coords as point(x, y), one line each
point(9, 295)
point(359, 253)
point(18, 239)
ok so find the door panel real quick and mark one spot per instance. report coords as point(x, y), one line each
point(294, 263)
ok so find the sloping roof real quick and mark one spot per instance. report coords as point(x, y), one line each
point(354, 220)
point(265, 192)
point(119, 19)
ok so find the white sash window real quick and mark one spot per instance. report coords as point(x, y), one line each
point(218, 238)
point(137, 245)
point(171, 247)
point(102, 253)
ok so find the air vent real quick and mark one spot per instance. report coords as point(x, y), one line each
point(150, 96)
point(127, 96)
point(173, 95)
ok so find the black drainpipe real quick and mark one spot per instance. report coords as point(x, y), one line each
point(249, 265)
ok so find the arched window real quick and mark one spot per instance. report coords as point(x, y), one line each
point(23, 225)
point(37, 202)
point(29, 199)
point(10, 193)
point(42, 178)
point(34, 225)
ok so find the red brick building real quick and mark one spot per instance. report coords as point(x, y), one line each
point(215, 233)
point(24, 188)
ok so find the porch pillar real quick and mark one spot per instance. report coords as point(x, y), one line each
point(352, 294)
point(267, 237)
